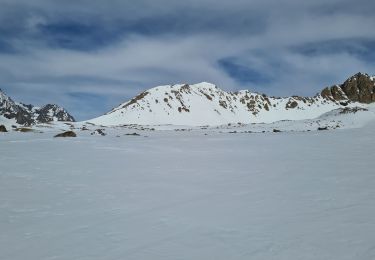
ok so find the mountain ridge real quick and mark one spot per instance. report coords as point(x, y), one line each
point(28, 114)
point(206, 104)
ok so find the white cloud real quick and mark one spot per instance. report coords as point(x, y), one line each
point(139, 61)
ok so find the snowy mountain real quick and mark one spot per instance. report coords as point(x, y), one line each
point(18, 113)
point(206, 104)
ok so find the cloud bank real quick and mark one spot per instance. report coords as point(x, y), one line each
point(91, 55)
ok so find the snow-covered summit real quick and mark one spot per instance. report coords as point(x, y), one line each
point(206, 104)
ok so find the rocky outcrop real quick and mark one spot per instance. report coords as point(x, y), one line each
point(30, 115)
point(358, 88)
point(3, 129)
point(291, 104)
point(52, 112)
point(67, 134)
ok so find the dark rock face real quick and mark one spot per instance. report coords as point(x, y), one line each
point(29, 115)
point(10, 109)
point(67, 134)
point(48, 112)
point(358, 88)
point(338, 93)
point(291, 104)
point(22, 117)
point(3, 129)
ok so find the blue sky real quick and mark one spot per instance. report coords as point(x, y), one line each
point(90, 55)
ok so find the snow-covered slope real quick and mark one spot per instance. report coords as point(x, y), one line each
point(12, 112)
point(188, 196)
point(206, 104)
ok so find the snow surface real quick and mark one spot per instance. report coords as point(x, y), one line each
point(7, 122)
point(199, 194)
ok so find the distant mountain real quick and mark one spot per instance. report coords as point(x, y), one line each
point(206, 104)
point(28, 114)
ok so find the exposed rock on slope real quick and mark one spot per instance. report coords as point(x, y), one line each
point(3, 129)
point(67, 134)
point(28, 115)
point(358, 88)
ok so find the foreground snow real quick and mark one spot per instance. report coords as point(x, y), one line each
point(187, 195)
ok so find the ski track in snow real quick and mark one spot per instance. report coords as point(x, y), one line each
point(184, 195)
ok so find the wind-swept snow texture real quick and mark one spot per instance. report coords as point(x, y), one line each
point(186, 195)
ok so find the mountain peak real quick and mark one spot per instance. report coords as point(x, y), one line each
point(185, 86)
point(358, 88)
point(359, 75)
point(28, 114)
point(206, 104)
